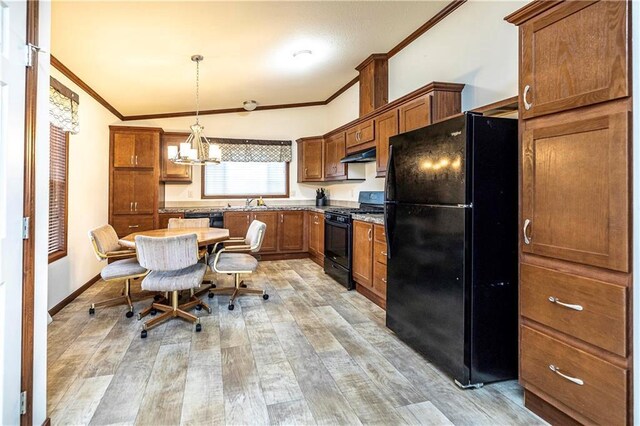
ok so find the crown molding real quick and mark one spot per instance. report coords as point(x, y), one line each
point(530, 10)
point(448, 9)
point(84, 86)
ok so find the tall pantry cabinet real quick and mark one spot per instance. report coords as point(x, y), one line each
point(575, 270)
point(135, 191)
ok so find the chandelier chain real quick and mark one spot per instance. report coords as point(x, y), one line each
point(197, 90)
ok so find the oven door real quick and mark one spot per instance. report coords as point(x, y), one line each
point(337, 243)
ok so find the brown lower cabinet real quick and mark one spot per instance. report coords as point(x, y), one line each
point(369, 265)
point(125, 224)
point(163, 219)
point(286, 230)
point(316, 237)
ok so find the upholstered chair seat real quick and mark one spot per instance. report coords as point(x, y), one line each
point(182, 279)
point(106, 247)
point(121, 269)
point(232, 260)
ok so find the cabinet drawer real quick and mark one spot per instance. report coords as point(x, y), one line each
point(380, 279)
point(380, 252)
point(602, 394)
point(127, 224)
point(601, 320)
point(379, 234)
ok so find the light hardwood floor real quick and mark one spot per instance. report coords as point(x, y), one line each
point(312, 353)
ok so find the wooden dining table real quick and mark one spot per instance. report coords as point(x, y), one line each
point(206, 236)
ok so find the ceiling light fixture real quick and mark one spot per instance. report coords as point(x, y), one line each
point(250, 105)
point(302, 54)
point(196, 150)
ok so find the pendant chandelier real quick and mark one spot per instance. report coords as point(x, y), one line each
point(196, 150)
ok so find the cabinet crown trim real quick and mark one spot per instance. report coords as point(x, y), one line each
point(531, 10)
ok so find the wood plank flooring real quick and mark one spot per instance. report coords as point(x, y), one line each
point(311, 354)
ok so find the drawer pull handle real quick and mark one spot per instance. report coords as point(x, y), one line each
point(384, 280)
point(569, 378)
point(134, 226)
point(384, 253)
point(566, 305)
point(527, 105)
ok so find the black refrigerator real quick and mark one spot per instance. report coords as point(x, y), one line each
point(451, 218)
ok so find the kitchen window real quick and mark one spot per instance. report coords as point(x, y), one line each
point(246, 180)
point(58, 192)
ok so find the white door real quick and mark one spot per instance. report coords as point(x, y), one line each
point(13, 22)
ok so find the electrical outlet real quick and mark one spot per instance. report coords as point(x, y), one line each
point(189, 194)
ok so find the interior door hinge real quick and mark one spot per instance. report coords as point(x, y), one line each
point(23, 403)
point(25, 228)
point(32, 49)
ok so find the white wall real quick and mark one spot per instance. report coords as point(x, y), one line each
point(473, 45)
point(283, 124)
point(88, 195)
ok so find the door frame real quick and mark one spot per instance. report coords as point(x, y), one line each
point(29, 210)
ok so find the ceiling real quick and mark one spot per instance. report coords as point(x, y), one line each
point(137, 54)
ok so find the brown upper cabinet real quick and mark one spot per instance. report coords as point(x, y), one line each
point(169, 171)
point(374, 83)
point(360, 136)
point(386, 126)
point(415, 114)
point(574, 55)
point(334, 151)
point(575, 186)
point(310, 159)
point(134, 149)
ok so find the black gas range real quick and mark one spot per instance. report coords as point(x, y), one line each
point(338, 235)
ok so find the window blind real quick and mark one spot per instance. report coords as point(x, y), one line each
point(246, 179)
point(58, 190)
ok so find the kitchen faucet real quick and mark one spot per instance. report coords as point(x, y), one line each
point(248, 202)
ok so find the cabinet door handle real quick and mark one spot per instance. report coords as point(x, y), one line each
point(527, 239)
point(131, 160)
point(131, 206)
point(564, 376)
point(566, 305)
point(135, 206)
point(384, 253)
point(134, 226)
point(247, 218)
point(281, 218)
point(369, 234)
point(527, 105)
point(384, 280)
point(136, 160)
point(305, 171)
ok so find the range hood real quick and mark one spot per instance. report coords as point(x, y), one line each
point(361, 157)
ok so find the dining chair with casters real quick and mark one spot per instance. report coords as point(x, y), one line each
point(173, 265)
point(180, 223)
point(124, 267)
point(235, 259)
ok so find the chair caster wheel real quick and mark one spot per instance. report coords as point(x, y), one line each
point(231, 306)
point(153, 312)
point(143, 334)
point(213, 286)
point(198, 328)
point(92, 311)
point(265, 296)
point(129, 314)
point(157, 297)
point(210, 295)
point(198, 308)
point(243, 285)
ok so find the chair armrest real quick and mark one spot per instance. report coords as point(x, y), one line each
point(120, 254)
point(237, 248)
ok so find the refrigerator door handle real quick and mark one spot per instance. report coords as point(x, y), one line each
point(389, 182)
point(389, 217)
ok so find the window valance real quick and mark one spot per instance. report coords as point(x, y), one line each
point(63, 107)
point(254, 150)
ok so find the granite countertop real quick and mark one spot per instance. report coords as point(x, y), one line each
point(371, 218)
point(219, 209)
